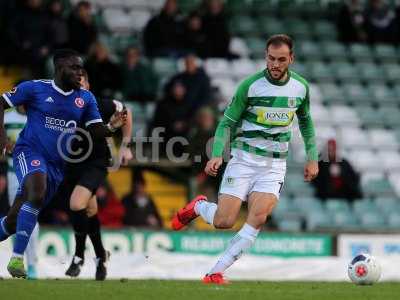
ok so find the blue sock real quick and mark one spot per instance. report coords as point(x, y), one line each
point(26, 221)
point(3, 231)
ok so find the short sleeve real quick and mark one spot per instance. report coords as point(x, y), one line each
point(91, 114)
point(20, 94)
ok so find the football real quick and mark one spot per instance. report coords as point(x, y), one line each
point(364, 270)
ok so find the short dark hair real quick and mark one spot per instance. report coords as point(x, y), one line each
point(280, 39)
point(61, 54)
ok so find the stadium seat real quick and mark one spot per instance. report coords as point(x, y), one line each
point(345, 72)
point(217, 67)
point(392, 73)
point(293, 225)
point(318, 220)
point(243, 25)
point(139, 19)
point(385, 53)
point(337, 205)
point(370, 116)
point(378, 188)
point(324, 30)
point(117, 20)
point(354, 138)
point(362, 206)
point(370, 72)
point(372, 220)
point(226, 86)
point(270, 26)
point(320, 72)
point(307, 204)
point(299, 30)
point(299, 68)
point(364, 160)
point(344, 221)
point(383, 95)
point(165, 67)
point(320, 114)
point(394, 221)
point(361, 53)
point(390, 116)
point(238, 46)
point(344, 115)
point(332, 93)
point(235, 7)
point(256, 47)
point(334, 51)
point(242, 68)
point(389, 160)
point(356, 94)
point(388, 205)
point(382, 139)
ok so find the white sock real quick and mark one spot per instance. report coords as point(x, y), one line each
point(240, 243)
point(31, 250)
point(206, 210)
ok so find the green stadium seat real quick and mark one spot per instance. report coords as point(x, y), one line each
point(244, 26)
point(385, 53)
point(334, 51)
point(390, 115)
point(370, 72)
point(394, 221)
point(363, 206)
point(298, 29)
point(300, 68)
point(379, 187)
point(233, 7)
point(382, 94)
point(324, 30)
point(345, 72)
point(388, 205)
point(318, 220)
point(337, 205)
point(344, 221)
point(372, 220)
point(295, 185)
point(392, 73)
point(256, 47)
point(370, 117)
point(332, 93)
point(307, 204)
point(293, 225)
point(269, 26)
point(355, 93)
point(188, 6)
point(361, 53)
point(320, 72)
point(309, 51)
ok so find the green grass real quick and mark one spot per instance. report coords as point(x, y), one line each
point(190, 290)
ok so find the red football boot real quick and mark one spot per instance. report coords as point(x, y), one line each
point(187, 214)
point(216, 278)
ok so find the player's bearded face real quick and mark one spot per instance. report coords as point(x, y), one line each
point(278, 60)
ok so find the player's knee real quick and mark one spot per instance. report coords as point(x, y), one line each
point(76, 205)
point(37, 197)
point(91, 211)
point(223, 223)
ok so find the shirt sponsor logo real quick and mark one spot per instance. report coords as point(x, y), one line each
point(274, 117)
point(79, 102)
point(35, 163)
point(60, 124)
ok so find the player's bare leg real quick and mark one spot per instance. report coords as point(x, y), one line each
point(79, 201)
point(260, 205)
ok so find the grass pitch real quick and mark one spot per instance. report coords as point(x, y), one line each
point(191, 290)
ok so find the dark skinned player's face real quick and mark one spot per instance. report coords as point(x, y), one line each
point(71, 72)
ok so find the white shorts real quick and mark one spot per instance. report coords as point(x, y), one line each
point(240, 178)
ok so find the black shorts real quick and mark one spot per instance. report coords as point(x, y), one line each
point(90, 176)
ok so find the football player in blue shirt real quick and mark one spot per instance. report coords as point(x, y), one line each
point(54, 109)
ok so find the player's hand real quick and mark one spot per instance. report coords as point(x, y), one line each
point(126, 155)
point(310, 170)
point(118, 119)
point(213, 165)
point(9, 147)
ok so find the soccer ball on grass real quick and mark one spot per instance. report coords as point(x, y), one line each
point(364, 270)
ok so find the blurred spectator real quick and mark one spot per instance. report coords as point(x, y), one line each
point(104, 75)
point(111, 210)
point(351, 22)
point(29, 37)
point(57, 24)
point(4, 206)
point(139, 82)
point(163, 33)
point(200, 151)
point(83, 31)
point(336, 178)
point(216, 30)
point(196, 82)
point(172, 113)
point(380, 22)
point(194, 36)
point(140, 209)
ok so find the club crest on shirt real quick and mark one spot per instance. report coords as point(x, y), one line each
point(13, 90)
point(229, 180)
point(291, 102)
point(79, 102)
point(35, 163)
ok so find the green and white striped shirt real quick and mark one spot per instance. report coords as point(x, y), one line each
point(260, 117)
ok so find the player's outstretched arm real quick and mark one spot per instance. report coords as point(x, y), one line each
point(308, 133)
point(126, 151)
point(100, 131)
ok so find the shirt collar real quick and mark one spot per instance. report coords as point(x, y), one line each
point(53, 84)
